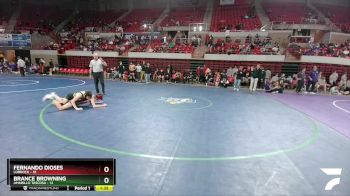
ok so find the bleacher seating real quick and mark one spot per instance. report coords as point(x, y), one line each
point(340, 15)
point(327, 69)
point(224, 65)
point(288, 12)
point(178, 65)
point(95, 18)
point(5, 14)
point(232, 15)
point(135, 19)
point(184, 16)
point(158, 47)
point(41, 17)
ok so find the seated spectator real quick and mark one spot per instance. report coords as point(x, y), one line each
point(274, 88)
point(275, 78)
point(322, 83)
point(217, 78)
point(334, 90)
point(333, 78)
point(176, 77)
point(223, 79)
point(209, 79)
point(161, 75)
point(168, 75)
point(343, 81)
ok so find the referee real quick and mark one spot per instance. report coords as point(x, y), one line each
point(96, 70)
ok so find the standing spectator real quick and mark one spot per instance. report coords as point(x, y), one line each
point(261, 81)
point(239, 77)
point(96, 70)
point(143, 67)
point(42, 66)
point(132, 69)
point(300, 80)
point(256, 74)
point(267, 75)
point(229, 72)
point(138, 71)
point(121, 70)
point(333, 78)
point(313, 78)
point(147, 73)
point(51, 66)
point(21, 65)
point(28, 64)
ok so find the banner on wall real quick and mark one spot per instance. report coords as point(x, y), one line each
point(15, 40)
point(227, 2)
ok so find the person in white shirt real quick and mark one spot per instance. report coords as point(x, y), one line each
point(138, 71)
point(21, 65)
point(267, 75)
point(275, 78)
point(96, 71)
point(333, 78)
point(343, 80)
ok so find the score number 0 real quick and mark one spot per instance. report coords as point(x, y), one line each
point(106, 170)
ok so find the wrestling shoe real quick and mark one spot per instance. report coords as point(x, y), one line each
point(50, 96)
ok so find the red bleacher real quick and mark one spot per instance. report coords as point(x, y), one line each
point(96, 18)
point(233, 15)
point(135, 19)
point(41, 17)
point(159, 47)
point(184, 16)
point(340, 15)
point(178, 65)
point(289, 12)
point(224, 65)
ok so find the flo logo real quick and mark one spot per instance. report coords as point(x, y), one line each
point(172, 100)
point(332, 172)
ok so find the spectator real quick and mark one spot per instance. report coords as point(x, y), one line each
point(261, 81)
point(143, 67)
point(138, 72)
point(132, 70)
point(275, 78)
point(230, 72)
point(239, 77)
point(51, 66)
point(161, 75)
point(322, 83)
point(147, 73)
point(333, 78)
point(223, 79)
point(267, 75)
point(256, 74)
point(274, 88)
point(343, 80)
point(28, 64)
point(42, 66)
point(121, 70)
point(313, 78)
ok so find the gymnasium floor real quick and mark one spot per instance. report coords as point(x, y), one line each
point(209, 141)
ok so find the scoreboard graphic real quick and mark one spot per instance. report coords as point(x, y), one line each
point(61, 174)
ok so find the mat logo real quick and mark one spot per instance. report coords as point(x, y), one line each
point(172, 100)
point(332, 172)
